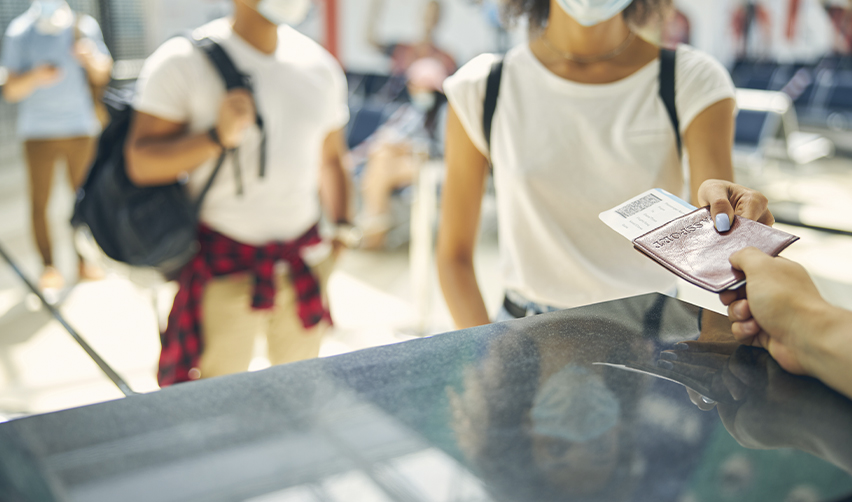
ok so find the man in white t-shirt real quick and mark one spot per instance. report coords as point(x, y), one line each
point(262, 266)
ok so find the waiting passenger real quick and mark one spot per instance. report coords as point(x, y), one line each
point(392, 155)
point(260, 244)
point(55, 58)
point(579, 128)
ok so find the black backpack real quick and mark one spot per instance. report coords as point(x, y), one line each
point(151, 226)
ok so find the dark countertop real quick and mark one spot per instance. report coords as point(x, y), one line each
point(514, 411)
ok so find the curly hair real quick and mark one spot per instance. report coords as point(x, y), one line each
point(637, 14)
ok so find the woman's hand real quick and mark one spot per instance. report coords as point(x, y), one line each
point(728, 200)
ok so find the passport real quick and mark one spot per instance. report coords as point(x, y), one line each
point(691, 248)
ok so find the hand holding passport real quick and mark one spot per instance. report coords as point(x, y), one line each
point(688, 244)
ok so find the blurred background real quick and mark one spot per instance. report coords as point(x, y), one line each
point(790, 60)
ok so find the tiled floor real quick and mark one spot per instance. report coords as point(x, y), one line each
point(42, 369)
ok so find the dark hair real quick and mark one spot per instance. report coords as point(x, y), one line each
point(638, 13)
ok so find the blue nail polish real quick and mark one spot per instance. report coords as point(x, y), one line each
point(668, 356)
point(680, 346)
point(707, 400)
point(723, 223)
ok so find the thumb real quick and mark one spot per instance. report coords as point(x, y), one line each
point(748, 259)
point(715, 194)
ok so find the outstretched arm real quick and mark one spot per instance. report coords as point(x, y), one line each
point(467, 170)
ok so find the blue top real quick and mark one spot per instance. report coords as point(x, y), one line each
point(65, 109)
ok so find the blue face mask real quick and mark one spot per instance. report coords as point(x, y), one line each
point(592, 12)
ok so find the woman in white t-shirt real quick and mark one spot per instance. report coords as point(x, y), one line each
point(579, 128)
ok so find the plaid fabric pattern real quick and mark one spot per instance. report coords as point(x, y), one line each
point(220, 255)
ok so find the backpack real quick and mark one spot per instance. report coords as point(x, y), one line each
point(149, 226)
point(667, 94)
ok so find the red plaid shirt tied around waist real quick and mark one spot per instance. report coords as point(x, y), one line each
point(220, 255)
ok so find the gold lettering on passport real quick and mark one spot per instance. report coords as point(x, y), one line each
point(683, 232)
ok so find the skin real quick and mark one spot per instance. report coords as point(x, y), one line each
point(159, 151)
point(708, 140)
point(781, 310)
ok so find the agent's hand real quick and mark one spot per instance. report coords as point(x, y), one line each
point(774, 313)
point(728, 200)
point(46, 75)
point(236, 115)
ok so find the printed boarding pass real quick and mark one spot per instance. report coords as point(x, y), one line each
point(645, 212)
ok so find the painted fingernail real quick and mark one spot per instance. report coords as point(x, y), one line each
point(707, 400)
point(669, 356)
point(665, 365)
point(680, 346)
point(723, 223)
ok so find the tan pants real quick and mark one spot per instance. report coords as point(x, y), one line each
point(230, 325)
point(41, 160)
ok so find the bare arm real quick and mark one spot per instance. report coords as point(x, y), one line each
point(709, 141)
point(98, 66)
point(19, 86)
point(158, 151)
point(467, 170)
point(334, 181)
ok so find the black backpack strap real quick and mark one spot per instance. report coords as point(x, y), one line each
point(667, 92)
point(492, 91)
point(234, 79)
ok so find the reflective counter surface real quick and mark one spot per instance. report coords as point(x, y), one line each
point(578, 405)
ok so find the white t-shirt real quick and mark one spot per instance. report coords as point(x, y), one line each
point(300, 91)
point(563, 152)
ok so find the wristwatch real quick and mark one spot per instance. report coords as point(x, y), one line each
point(348, 234)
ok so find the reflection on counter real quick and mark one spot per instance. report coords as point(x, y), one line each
point(515, 411)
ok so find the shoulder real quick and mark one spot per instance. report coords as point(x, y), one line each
point(88, 25)
point(309, 54)
point(173, 52)
point(471, 76)
point(298, 43)
point(20, 25)
point(691, 63)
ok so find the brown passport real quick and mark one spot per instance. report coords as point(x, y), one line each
point(691, 247)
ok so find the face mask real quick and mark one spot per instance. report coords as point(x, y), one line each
point(592, 12)
point(574, 405)
point(423, 101)
point(290, 12)
point(53, 16)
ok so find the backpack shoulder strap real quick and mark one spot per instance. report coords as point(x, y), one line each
point(233, 78)
point(492, 91)
point(667, 91)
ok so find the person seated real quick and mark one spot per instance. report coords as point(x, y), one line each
point(391, 156)
point(781, 310)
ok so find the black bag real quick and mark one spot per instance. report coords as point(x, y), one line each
point(152, 226)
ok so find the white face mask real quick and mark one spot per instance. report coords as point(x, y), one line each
point(592, 12)
point(53, 16)
point(423, 101)
point(291, 12)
